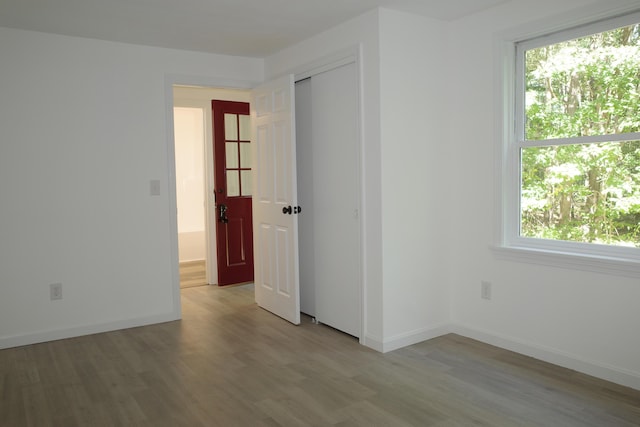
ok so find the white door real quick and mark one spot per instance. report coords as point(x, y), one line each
point(328, 180)
point(275, 224)
point(336, 198)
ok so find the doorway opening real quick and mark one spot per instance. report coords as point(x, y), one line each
point(354, 287)
point(190, 193)
point(195, 181)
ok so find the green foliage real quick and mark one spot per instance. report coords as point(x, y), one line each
point(583, 192)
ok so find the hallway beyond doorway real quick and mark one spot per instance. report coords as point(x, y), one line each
point(193, 273)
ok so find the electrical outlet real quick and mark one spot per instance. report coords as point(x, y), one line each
point(485, 290)
point(55, 291)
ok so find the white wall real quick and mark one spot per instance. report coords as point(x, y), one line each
point(83, 129)
point(361, 31)
point(415, 224)
point(582, 320)
point(190, 179)
point(406, 296)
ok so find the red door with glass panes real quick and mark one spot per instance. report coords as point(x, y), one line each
point(233, 189)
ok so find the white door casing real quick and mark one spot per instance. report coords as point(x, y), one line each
point(277, 284)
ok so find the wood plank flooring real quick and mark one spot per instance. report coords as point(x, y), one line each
point(192, 273)
point(230, 363)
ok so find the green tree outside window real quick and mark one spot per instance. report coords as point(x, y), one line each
point(583, 192)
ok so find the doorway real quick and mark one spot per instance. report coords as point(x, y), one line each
point(197, 254)
point(190, 193)
point(356, 285)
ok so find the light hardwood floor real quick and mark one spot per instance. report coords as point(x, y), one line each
point(229, 363)
point(192, 273)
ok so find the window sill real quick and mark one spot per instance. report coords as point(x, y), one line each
point(582, 262)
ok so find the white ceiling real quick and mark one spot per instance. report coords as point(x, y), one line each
point(237, 27)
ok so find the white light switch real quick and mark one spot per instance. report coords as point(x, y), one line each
point(154, 187)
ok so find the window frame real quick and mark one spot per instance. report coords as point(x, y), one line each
point(510, 244)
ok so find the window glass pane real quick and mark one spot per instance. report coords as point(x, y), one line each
point(245, 127)
point(583, 193)
point(231, 151)
point(231, 127)
point(245, 155)
point(247, 183)
point(233, 184)
point(582, 87)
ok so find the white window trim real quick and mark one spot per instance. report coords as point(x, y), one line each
point(508, 244)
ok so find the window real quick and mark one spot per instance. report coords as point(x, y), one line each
point(238, 154)
point(572, 184)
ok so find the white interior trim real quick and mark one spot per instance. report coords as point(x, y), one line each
point(327, 63)
point(414, 337)
point(570, 260)
point(97, 328)
point(551, 355)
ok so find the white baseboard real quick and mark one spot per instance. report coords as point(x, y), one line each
point(554, 356)
point(569, 361)
point(405, 339)
point(59, 334)
point(373, 342)
point(414, 337)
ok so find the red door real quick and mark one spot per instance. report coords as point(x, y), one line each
point(233, 190)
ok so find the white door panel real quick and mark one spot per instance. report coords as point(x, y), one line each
point(330, 192)
point(336, 198)
point(275, 232)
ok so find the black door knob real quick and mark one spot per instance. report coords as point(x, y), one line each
point(286, 210)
